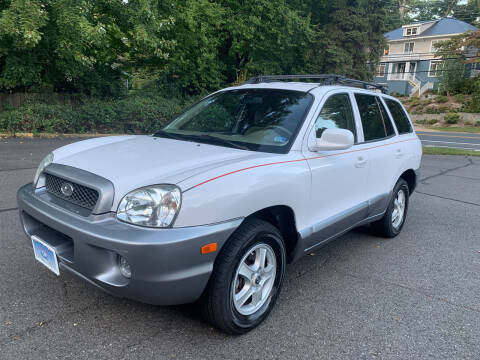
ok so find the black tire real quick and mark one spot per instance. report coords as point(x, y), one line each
point(384, 227)
point(217, 304)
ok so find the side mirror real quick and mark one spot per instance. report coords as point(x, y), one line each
point(334, 139)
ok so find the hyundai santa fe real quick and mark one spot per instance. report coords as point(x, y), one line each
point(212, 206)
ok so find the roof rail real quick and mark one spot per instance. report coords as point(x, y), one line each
point(326, 79)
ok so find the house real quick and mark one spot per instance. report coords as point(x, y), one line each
point(409, 65)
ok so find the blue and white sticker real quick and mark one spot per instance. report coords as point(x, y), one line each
point(280, 139)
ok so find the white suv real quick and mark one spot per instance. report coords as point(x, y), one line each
point(213, 206)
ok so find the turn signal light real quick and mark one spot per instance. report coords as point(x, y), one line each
point(206, 249)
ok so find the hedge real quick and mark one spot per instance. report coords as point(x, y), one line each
point(139, 114)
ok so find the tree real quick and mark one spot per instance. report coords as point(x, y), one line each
point(456, 53)
point(193, 45)
point(71, 45)
point(349, 34)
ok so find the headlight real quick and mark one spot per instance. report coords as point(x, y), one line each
point(154, 206)
point(47, 160)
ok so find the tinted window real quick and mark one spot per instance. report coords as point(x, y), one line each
point(399, 116)
point(386, 119)
point(256, 119)
point(372, 121)
point(336, 113)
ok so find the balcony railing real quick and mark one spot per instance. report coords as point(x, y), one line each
point(402, 76)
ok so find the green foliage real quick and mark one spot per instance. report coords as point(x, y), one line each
point(349, 34)
point(452, 118)
point(183, 47)
point(421, 121)
point(441, 99)
point(133, 114)
point(460, 98)
point(78, 45)
point(432, 121)
point(432, 111)
point(449, 151)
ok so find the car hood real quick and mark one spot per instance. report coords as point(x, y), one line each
point(130, 162)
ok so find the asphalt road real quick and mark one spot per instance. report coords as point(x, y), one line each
point(360, 297)
point(464, 141)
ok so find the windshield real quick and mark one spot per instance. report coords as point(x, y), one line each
point(254, 119)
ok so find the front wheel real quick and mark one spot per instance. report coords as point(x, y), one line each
point(392, 222)
point(246, 279)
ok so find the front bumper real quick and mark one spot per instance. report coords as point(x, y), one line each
point(167, 265)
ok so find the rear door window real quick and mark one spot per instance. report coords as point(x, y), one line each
point(375, 122)
point(386, 119)
point(399, 116)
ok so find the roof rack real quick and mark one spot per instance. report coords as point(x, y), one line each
point(326, 79)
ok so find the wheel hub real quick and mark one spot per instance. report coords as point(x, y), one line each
point(254, 279)
point(398, 212)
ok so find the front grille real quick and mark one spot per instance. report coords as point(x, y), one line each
point(81, 195)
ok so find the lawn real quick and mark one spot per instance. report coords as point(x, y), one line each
point(427, 150)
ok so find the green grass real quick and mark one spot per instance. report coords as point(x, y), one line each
point(467, 129)
point(448, 151)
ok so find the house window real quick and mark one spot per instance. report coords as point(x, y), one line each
point(381, 70)
point(408, 49)
point(435, 68)
point(411, 31)
point(386, 51)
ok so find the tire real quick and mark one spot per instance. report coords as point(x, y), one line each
point(218, 305)
point(386, 226)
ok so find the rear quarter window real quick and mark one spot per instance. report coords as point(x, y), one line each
point(399, 116)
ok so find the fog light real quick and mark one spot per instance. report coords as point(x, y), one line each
point(124, 267)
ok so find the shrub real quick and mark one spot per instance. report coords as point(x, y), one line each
point(138, 113)
point(443, 109)
point(440, 99)
point(477, 123)
point(460, 98)
point(432, 121)
point(427, 101)
point(414, 101)
point(420, 121)
point(468, 123)
point(452, 118)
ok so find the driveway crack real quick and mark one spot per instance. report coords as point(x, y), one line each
point(444, 172)
point(447, 198)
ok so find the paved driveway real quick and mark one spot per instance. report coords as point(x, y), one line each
point(360, 297)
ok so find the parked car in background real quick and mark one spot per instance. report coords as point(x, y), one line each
point(213, 206)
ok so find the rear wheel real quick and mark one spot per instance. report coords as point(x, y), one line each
point(246, 279)
point(392, 222)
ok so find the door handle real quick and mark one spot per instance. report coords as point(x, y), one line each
point(398, 153)
point(361, 162)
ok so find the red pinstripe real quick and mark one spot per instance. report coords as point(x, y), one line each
point(297, 160)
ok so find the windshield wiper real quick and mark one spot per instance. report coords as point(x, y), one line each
point(169, 135)
point(222, 141)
